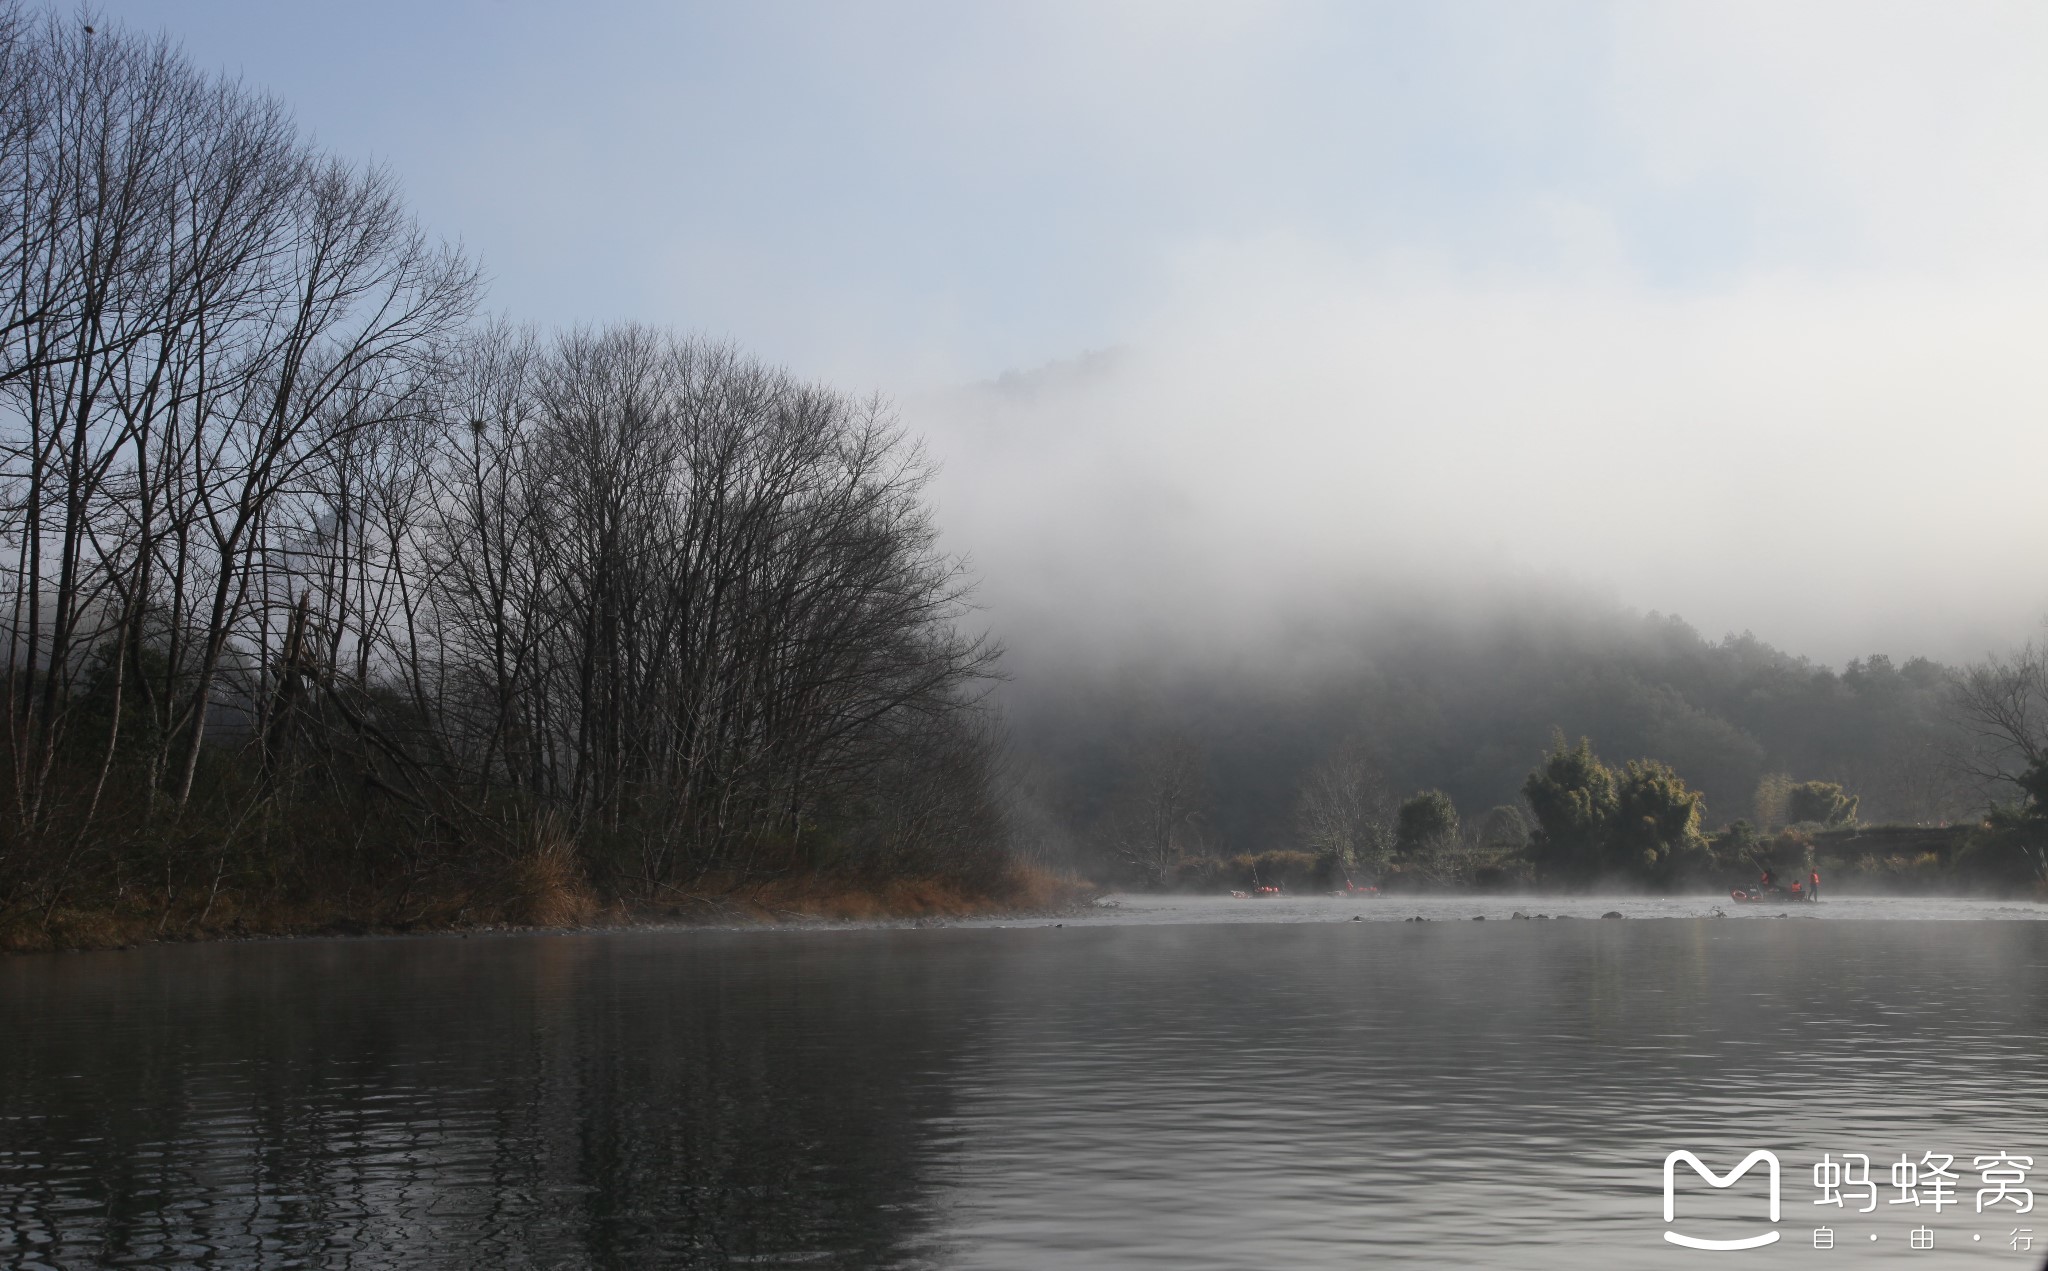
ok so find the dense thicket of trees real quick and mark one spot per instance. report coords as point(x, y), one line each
point(691, 603)
point(1425, 823)
point(1595, 823)
point(312, 583)
point(1819, 803)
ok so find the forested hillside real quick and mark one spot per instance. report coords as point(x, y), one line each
point(1469, 705)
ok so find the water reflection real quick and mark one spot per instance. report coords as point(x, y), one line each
point(1314, 1094)
point(518, 1102)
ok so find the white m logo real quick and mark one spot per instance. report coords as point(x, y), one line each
point(1718, 1180)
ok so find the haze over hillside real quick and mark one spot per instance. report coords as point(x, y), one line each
point(1468, 702)
point(1771, 462)
point(1724, 310)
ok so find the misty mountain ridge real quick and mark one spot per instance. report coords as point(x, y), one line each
point(1466, 700)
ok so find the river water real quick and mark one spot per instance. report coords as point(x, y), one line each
point(1167, 1084)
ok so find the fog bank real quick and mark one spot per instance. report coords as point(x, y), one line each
point(1841, 469)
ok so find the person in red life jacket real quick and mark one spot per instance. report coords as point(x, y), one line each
point(1813, 891)
point(1796, 891)
point(1770, 878)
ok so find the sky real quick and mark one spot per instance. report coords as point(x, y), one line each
point(1210, 312)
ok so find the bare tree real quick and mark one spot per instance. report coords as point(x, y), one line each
point(1157, 821)
point(284, 533)
point(199, 311)
point(1346, 810)
point(2001, 708)
point(685, 597)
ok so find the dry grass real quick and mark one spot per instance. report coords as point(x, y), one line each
point(1037, 890)
point(545, 888)
point(1023, 890)
point(836, 899)
point(549, 889)
point(126, 925)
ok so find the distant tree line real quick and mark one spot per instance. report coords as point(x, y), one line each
point(1345, 758)
point(315, 585)
point(1585, 824)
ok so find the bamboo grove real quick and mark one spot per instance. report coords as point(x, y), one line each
point(316, 583)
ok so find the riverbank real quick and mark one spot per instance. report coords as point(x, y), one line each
point(1136, 909)
point(539, 899)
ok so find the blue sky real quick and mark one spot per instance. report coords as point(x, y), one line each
point(1569, 289)
point(994, 183)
